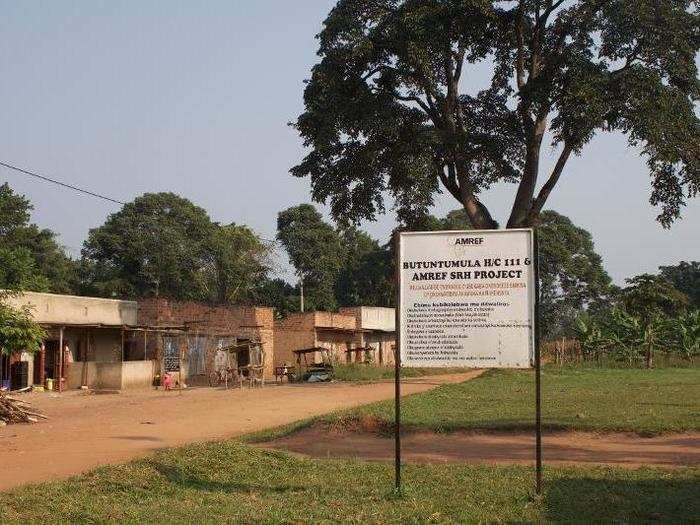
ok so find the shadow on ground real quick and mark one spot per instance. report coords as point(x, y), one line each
point(595, 500)
point(183, 479)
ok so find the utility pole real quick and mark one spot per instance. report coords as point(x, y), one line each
point(301, 288)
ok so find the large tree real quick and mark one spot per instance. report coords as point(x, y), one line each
point(572, 276)
point(393, 104)
point(366, 275)
point(685, 276)
point(154, 246)
point(239, 261)
point(315, 250)
point(30, 257)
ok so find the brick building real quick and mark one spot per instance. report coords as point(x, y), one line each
point(208, 328)
point(350, 335)
point(376, 328)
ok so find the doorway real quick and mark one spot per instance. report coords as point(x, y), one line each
point(51, 361)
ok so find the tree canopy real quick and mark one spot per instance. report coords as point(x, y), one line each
point(392, 105)
point(154, 245)
point(162, 244)
point(239, 261)
point(685, 276)
point(648, 296)
point(572, 276)
point(366, 275)
point(315, 249)
point(30, 257)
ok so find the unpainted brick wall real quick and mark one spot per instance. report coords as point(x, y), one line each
point(306, 330)
point(256, 323)
point(294, 332)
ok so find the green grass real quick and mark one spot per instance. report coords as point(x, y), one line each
point(228, 482)
point(361, 372)
point(644, 401)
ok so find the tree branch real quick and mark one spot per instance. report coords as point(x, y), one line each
point(450, 181)
point(551, 7)
point(520, 53)
point(412, 98)
point(548, 186)
point(479, 215)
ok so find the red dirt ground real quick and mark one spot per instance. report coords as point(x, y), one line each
point(561, 448)
point(85, 431)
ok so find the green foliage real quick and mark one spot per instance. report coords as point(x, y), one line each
point(277, 294)
point(685, 276)
point(238, 262)
point(572, 276)
point(18, 271)
point(162, 244)
point(154, 245)
point(30, 258)
point(18, 331)
point(316, 250)
point(685, 334)
point(388, 109)
point(651, 318)
point(366, 275)
point(648, 296)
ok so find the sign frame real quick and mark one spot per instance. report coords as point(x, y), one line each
point(535, 357)
point(448, 294)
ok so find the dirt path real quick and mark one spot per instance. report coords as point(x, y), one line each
point(563, 448)
point(85, 431)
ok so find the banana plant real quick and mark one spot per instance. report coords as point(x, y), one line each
point(623, 335)
point(686, 329)
point(589, 335)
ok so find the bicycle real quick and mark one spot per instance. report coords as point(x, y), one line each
point(224, 376)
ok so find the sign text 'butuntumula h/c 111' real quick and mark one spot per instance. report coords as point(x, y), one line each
point(467, 298)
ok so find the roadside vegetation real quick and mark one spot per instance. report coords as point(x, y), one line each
point(228, 482)
point(369, 372)
point(647, 402)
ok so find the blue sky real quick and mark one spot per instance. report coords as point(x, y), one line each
point(128, 97)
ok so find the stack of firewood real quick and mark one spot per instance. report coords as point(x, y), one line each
point(14, 410)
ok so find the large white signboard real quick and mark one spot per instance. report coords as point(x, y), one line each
point(467, 298)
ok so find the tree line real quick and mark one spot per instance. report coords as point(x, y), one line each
point(162, 244)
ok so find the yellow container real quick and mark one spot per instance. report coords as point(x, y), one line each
point(49, 384)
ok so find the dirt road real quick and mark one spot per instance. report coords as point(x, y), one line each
point(85, 431)
point(560, 448)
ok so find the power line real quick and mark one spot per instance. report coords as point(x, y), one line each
point(81, 190)
point(59, 183)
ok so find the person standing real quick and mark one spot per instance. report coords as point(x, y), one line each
point(67, 361)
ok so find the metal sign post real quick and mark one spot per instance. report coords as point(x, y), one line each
point(538, 366)
point(397, 368)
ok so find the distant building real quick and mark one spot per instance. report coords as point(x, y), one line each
point(90, 342)
point(208, 328)
point(377, 331)
point(109, 344)
point(355, 334)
